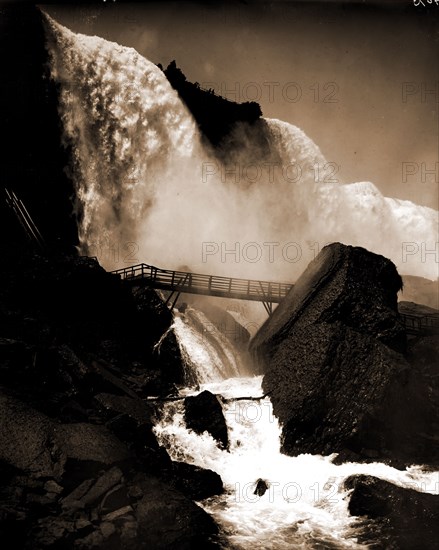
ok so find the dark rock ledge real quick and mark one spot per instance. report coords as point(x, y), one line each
point(80, 466)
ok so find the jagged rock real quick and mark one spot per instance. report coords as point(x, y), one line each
point(168, 520)
point(334, 366)
point(196, 483)
point(203, 412)
point(28, 439)
point(73, 499)
point(134, 407)
point(214, 114)
point(261, 487)
point(397, 518)
point(133, 425)
point(89, 491)
point(86, 442)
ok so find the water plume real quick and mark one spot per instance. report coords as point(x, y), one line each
point(147, 190)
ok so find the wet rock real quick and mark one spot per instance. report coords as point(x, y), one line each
point(395, 517)
point(131, 421)
point(64, 343)
point(335, 365)
point(196, 483)
point(261, 487)
point(203, 412)
point(168, 520)
point(135, 407)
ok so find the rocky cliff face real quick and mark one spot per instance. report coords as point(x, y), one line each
point(80, 466)
point(33, 159)
point(216, 116)
point(336, 366)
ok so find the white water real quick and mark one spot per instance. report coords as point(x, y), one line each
point(149, 192)
point(204, 348)
point(305, 505)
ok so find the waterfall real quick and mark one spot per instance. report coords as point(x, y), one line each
point(204, 348)
point(128, 132)
point(148, 191)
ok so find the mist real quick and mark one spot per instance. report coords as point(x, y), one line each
point(149, 191)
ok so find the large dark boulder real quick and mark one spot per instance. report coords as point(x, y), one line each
point(335, 370)
point(29, 440)
point(395, 517)
point(196, 483)
point(203, 412)
point(167, 519)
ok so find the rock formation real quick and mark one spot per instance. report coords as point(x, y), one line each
point(80, 466)
point(203, 412)
point(337, 369)
point(393, 517)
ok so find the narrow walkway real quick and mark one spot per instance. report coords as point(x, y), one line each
point(267, 292)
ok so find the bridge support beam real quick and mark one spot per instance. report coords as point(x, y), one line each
point(268, 307)
point(169, 298)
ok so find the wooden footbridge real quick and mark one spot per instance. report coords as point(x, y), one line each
point(269, 293)
point(176, 282)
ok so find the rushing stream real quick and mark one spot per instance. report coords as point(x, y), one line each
point(305, 505)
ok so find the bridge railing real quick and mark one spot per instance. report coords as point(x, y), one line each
point(418, 322)
point(181, 280)
point(265, 291)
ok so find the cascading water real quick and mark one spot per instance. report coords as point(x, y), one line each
point(204, 347)
point(140, 176)
point(149, 192)
point(305, 505)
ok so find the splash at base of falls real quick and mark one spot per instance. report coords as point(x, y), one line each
point(305, 505)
